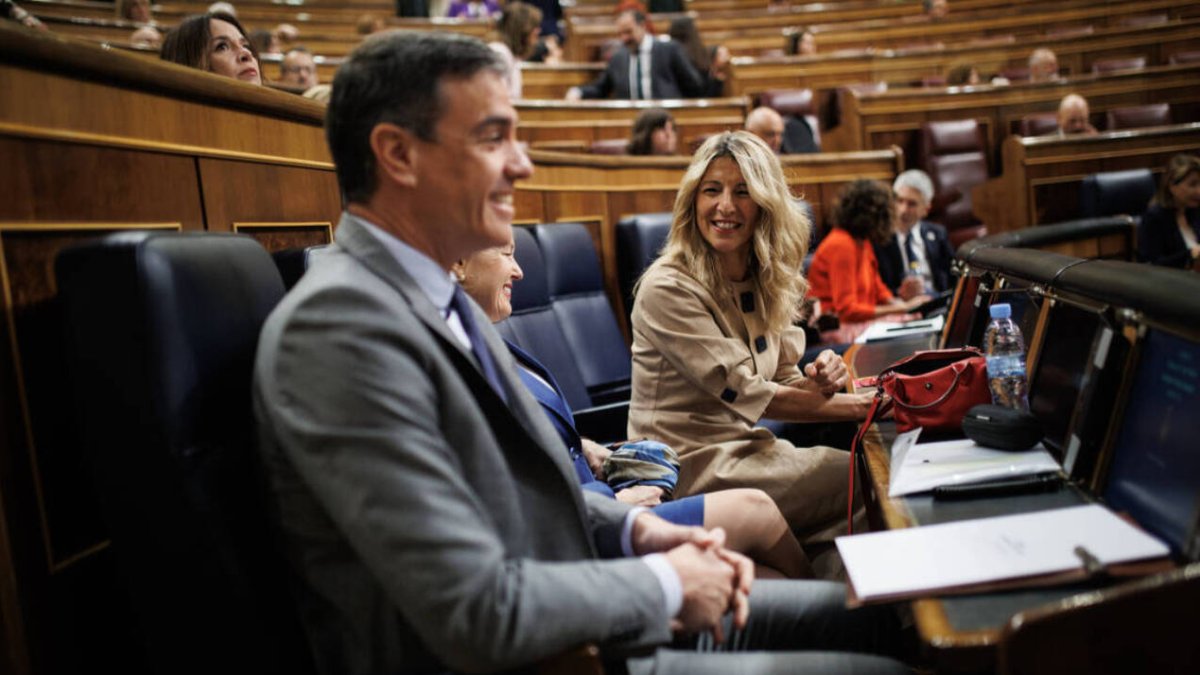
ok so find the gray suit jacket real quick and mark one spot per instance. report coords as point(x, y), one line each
point(432, 526)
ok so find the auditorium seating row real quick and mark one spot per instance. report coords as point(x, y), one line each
point(765, 33)
point(100, 141)
point(135, 294)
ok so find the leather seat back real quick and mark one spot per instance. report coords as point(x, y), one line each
point(534, 326)
point(1137, 116)
point(1117, 192)
point(952, 153)
point(165, 328)
point(584, 313)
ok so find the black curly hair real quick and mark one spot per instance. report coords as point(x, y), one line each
point(866, 210)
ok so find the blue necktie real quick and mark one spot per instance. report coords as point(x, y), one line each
point(462, 306)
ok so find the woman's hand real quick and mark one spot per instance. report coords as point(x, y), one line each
point(911, 287)
point(915, 302)
point(595, 454)
point(641, 495)
point(828, 372)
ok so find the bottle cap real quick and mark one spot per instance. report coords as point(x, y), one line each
point(1000, 310)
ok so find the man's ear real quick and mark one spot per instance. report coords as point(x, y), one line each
point(395, 151)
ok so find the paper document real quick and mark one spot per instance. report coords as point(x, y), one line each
point(918, 467)
point(884, 330)
point(932, 560)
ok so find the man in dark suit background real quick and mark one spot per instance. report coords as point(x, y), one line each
point(643, 68)
point(918, 257)
point(426, 506)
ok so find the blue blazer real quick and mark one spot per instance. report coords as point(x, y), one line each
point(555, 405)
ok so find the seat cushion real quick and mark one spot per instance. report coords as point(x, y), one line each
point(585, 315)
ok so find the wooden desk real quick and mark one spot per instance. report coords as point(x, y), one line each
point(1076, 54)
point(1041, 175)
point(958, 634)
point(587, 30)
point(573, 125)
point(895, 117)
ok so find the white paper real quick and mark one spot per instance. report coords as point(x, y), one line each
point(921, 560)
point(885, 330)
point(924, 466)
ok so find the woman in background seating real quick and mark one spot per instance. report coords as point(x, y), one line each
point(133, 10)
point(518, 29)
point(844, 272)
point(752, 523)
point(715, 346)
point(653, 134)
point(216, 43)
point(1170, 231)
point(962, 74)
point(712, 64)
point(806, 42)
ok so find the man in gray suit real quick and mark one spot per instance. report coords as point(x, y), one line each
point(643, 68)
point(432, 518)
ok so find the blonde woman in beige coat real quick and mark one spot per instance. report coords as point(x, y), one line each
point(715, 349)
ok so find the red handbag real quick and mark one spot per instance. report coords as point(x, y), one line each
point(930, 389)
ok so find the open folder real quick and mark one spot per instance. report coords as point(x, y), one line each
point(1054, 546)
point(887, 330)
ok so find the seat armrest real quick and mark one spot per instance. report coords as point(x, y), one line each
point(603, 423)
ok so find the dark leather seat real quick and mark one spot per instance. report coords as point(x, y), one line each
point(1038, 124)
point(1137, 116)
point(1070, 31)
point(1116, 192)
point(802, 132)
point(1143, 20)
point(164, 330)
point(577, 295)
point(1015, 74)
point(640, 238)
point(609, 146)
point(952, 153)
point(1185, 57)
point(1106, 66)
point(535, 327)
point(293, 262)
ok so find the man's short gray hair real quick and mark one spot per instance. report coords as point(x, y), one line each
point(917, 180)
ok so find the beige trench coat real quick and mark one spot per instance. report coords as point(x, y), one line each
point(704, 370)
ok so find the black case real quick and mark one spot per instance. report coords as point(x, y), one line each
point(1003, 428)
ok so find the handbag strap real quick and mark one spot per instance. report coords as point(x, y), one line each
point(878, 408)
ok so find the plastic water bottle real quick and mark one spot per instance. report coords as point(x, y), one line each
point(1005, 350)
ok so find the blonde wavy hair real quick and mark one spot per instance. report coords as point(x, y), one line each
point(781, 235)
